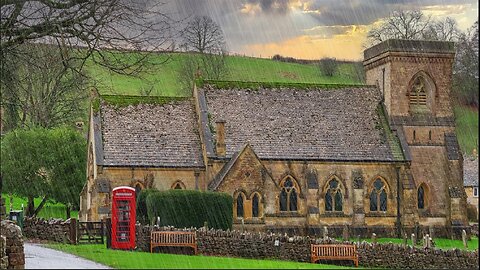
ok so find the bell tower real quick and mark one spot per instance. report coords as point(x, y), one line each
point(415, 79)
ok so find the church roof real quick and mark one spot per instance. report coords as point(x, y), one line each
point(470, 172)
point(301, 122)
point(163, 133)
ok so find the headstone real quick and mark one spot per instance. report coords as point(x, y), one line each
point(405, 239)
point(345, 235)
point(205, 225)
point(426, 241)
point(158, 221)
point(243, 225)
point(325, 232)
point(414, 240)
point(374, 238)
point(431, 231)
point(464, 239)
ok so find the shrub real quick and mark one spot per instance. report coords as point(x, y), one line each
point(142, 215)
point(328, 66)
point(190, 208)
point(472, 212)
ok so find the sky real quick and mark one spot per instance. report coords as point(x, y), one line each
point(310, 29)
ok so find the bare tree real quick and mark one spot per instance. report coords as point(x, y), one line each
point(203, 35)
point(400, 25)
point(46, 92)
point(465, 77)
point(446, 30)
point(91, 26)
point(205, 38)
point(328, 66)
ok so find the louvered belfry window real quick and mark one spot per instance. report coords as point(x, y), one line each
point(418, 93)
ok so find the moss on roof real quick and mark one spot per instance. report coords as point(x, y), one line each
point(392, 138)
point(124, 100)
point(258, 85)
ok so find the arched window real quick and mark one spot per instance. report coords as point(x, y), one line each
point(178, 185)
point(333, 196)
point(421, 197)
point(288, 195)
point(418, 92)
point(255, 205)
point(240, 209)
point(378, 196)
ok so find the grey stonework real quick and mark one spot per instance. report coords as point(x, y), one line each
point(12, 255)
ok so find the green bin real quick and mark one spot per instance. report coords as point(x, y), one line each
point(17, 216)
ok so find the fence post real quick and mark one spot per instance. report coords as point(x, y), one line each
point(73, 231)
point(103, 231)
point(109, 231)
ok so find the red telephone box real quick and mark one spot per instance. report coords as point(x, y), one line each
point(123, 218)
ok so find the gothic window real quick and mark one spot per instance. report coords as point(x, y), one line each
point(240, 201)
point(418, 93)
point(255, 205)
point(333, 196)
point(178, 185)
point(288, 196)
point(421, 197)
point(378, 196)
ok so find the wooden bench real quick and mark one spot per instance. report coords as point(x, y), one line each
point(334, 252)
point(173, 239)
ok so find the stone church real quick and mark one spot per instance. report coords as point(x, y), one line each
point(381, 157)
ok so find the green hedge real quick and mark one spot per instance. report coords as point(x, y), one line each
point(142, 215)
point(190, 208)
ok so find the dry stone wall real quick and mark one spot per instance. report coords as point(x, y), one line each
point(56, 230)
point(296, 248)
point(12, 255)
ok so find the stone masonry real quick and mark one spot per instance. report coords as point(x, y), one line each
point(11, 246)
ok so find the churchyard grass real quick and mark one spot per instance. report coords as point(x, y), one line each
point(49, 210)
point(440, 243)
point(141, 260)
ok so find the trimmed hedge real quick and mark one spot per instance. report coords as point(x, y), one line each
point(190, 208)
point(142, 215)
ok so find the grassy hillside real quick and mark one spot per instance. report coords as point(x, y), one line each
point(163, 81)
point(163, 78)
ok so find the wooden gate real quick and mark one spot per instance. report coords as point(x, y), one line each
point(90, 232)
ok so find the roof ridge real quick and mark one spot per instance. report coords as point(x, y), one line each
point(270, 84)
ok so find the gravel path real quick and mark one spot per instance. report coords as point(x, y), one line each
point(39, 257)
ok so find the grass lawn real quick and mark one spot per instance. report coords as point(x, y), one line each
point(134, 259)
point(466, 119)
point(440, 243)
point(49, 210)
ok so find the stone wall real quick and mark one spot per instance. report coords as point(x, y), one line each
point(56, 230)
point(12, 255)
point(262, 246)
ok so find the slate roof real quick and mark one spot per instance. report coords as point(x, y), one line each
point(151, 135)
point(337, 124)
point(470, 172)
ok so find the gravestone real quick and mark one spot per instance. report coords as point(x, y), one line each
point(374, 238)
point(405, 239)
point(426, 241)
point(431, 231)
point(325, 232)
point(414, 240)
point(464, 239)
point(345, 235)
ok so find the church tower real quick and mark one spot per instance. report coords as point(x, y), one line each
point(415, 79)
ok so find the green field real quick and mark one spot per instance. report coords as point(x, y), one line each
point(143, 260)
point(49, 210)
point(466, 120)
point(163, 77)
